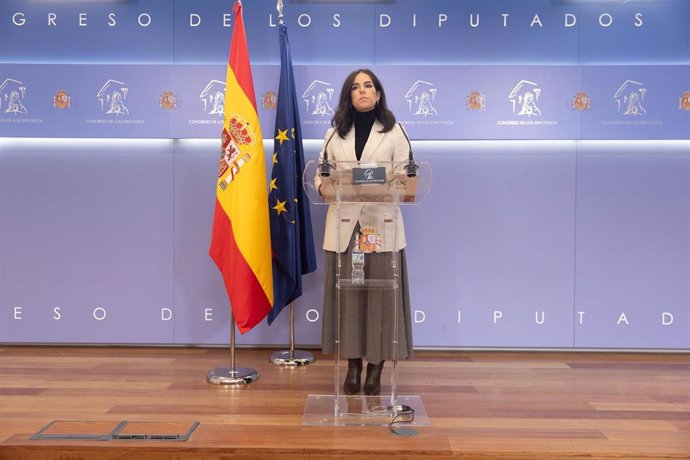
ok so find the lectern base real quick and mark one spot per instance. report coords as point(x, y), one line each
point(361, 410)
point(237, 376)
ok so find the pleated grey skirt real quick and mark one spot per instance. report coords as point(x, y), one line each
point(367, 321)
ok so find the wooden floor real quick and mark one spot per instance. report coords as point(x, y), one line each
point(519, 405)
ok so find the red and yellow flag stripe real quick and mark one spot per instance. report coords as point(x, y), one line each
point(241, 237)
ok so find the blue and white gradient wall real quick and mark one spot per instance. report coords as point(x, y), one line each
point(558, 132)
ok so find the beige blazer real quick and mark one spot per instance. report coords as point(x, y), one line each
point(380, 147)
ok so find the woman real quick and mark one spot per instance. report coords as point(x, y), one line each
point(364, 131)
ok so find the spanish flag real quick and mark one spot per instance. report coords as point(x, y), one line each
point(241, 236)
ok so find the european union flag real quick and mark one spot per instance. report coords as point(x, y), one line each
point(292, 239)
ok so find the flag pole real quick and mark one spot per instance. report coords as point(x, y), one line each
point(292, 357)
point(247, 277)
point(232, 375)
point(289, 358)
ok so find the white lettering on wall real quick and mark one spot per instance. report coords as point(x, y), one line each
point(538, 320)
point(99, 313)
point(18, 19)
point(666, 318)
point(536, 20)
point(312, 315)
point(623, 319)
point(569, 20)
point(638, 20)
point(605, 20)
point(304, 20)
point(384, 20)
point(144, 19)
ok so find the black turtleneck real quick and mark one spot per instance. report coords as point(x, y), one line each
point(363, 123)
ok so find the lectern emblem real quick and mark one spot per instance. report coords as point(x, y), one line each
point(369, 240)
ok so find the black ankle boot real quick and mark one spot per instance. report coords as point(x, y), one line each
point(372, 385)
point(353, 378)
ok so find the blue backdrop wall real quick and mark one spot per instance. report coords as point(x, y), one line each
point(558, 133)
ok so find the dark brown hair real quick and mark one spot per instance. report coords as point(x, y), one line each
point(345, 113)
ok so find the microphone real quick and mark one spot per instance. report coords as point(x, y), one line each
point(325, 167)
point(411, 167)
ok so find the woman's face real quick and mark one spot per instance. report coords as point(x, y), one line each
point(363, 93)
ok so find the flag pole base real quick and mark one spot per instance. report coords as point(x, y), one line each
point(298, 358)
point(236, 376)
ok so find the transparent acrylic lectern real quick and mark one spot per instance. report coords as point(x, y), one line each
point(383, 187)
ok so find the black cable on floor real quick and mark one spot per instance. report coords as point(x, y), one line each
point(406, 415)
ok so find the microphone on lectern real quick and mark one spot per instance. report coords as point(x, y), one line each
point(411, 167)
point(325, 167)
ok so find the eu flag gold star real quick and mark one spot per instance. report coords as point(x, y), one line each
point(282, 136)
point(273, 184)
point(275, 158)
point(280, 207)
